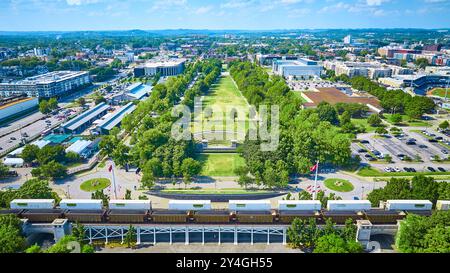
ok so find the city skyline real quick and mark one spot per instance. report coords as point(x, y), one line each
point(76, 15)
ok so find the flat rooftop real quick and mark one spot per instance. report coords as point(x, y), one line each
point(85, 117)
point(164, 63)
point(116, 117)
point(298, 62)
point(56, 76)
point(333, 96)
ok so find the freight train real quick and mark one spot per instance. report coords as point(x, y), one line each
point(201, 212)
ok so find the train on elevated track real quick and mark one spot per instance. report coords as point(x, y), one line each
point(201, 211)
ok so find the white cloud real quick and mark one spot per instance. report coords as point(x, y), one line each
point(203, 10)
point(376, 2)
point(80, 2)
point(234, 4)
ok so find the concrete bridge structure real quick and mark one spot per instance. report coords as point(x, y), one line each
point(194, 233)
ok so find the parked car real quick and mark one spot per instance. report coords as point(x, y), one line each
point(410, 143)
point(423, 146)
point(362, 151)
point(441, 169)
point(431, 169)
point(444, 152)
point(432, 140)
point(364, 141)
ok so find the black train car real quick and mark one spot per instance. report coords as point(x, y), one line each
point(379, 216)
point(255, 216)
point(340, 216)
point(127, 216)
point(287, 216)
point(212, 216)
point(41, 215)
point(85, 216)
point(169, 216)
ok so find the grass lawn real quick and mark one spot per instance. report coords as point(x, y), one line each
point(340, 185)
point(220, 164)
point(95, 184)
point(221, 98)
point(363, 122)
point(299, 95)
point(371, 172)
point(214, 191)
point(407, 121)
point(440, 92)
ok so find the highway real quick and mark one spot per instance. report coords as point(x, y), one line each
point(36, 128)
point(8, 127)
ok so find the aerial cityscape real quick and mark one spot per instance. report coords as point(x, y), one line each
point(252, 126)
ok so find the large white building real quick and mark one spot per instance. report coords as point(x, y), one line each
point(164, 68)
point(300, 68)
point(48, 85)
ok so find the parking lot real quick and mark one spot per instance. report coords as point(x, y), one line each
point(303, 85)
point(405, 151)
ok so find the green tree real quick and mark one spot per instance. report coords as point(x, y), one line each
point(396, 118)
point(128, 195)
point(100, 195)
point(3, 170)
point(81, 101)
point(11, 239)
point(345, 118)
point(79, 232)
point(388, 158)
point(421, 62)
point(444, 125)
point(130, 237)
point(381, 131)
point(30, 153)
point(374, 120)
point(33, 249)
point(333, 243)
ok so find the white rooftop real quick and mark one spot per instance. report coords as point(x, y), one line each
point(190, 202)
point(249, 201)
point(81, 201)
point(79, 146)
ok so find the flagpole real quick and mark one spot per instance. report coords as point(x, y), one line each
point(315, 181)
point(114, 179)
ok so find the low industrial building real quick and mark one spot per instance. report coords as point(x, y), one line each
point(300, 68)
point(164, 68)
point(84, 148)
point(16, 106)
point(113, 120)
point(53, 84)
point(84, 120)
point(138, 91)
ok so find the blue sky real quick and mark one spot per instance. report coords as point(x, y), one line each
point(226, 14)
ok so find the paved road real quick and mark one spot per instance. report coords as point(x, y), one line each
point(14, 125)
point(33, 129)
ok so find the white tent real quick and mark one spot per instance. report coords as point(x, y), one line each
point(13, 162)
